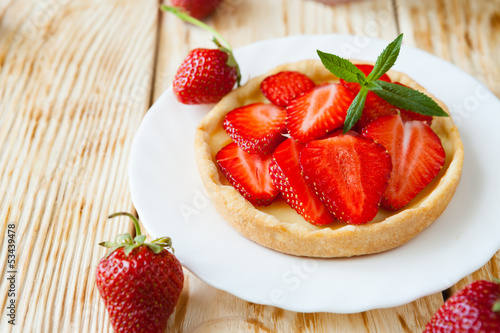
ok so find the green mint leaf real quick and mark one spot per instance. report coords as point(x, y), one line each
point(373, 85)
point(361, 79)
point(340, 67)
point(409, 99)
point(386, 59)
point(355, 110)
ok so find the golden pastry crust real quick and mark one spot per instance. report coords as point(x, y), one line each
point(278, 226)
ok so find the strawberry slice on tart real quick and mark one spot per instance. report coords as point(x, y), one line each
point(248, 173)
point(284, 86)
point(317, 112)
point(417, 156)
point(349, 172)
point(256, 128)
point(286, 175)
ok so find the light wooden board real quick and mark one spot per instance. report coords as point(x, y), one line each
point(75, 82)
point(76, 78)
point(466, 33)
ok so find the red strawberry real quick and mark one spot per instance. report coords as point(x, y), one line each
point(286, 175)
point(374, 106)
point(317, 112)
point(197, 8)
point(475, 308)
point(282, 87)
point(407, 115)
point(204, 77)
point(410, 115)
point(248, 173)
point(349, 173)
point(140, 283)
point(416, 153)
point(256, 128)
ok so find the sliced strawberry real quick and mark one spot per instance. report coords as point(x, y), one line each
point(248, 173)
point(317, 112)
point(407, 115)
point(286, 175)
point(349, 173)
point(416, 153)
point(282, 87)
point(374, 106)
point(410, 115)
point(256, 128)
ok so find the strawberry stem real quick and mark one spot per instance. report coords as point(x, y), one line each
point(136, 222)
point(184, 16)
point(128, 244)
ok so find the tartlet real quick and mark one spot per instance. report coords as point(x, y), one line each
point(280, 228)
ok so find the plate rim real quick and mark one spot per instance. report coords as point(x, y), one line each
point(139, 207)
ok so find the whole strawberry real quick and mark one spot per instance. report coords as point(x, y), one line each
point(476, 308)
point(139, 282)
point(197, 8)
point(205, 75)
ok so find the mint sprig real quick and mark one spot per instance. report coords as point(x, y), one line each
point(400, 96)
point(340, 67)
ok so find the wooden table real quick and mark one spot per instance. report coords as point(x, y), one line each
point(77, 77)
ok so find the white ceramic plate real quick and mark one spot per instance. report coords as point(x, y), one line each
point(169, 197)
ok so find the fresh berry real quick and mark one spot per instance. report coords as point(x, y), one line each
point(317, 112)
point(139, 282)
point(204, 77)
point(248, 173)
point(407, 115)
point(375, 106)
point(474, 309)
point(282, 87)
point(416, 153)
point(256, 128)
point(286, 175)
point(410, 115)
point(198, 9)
point(349, 173)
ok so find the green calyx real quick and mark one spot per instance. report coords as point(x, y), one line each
point(222, 44)
point(496, 305)
point(128, 244)
point(399, 96)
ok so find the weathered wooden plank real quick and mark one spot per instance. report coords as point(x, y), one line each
point(244, 22)
point(466, 33)
point(75, 82)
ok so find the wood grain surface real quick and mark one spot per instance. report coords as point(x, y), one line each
point(76, 79)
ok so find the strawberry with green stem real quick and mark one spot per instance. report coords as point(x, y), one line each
point(139, 282)
point(205, 75)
